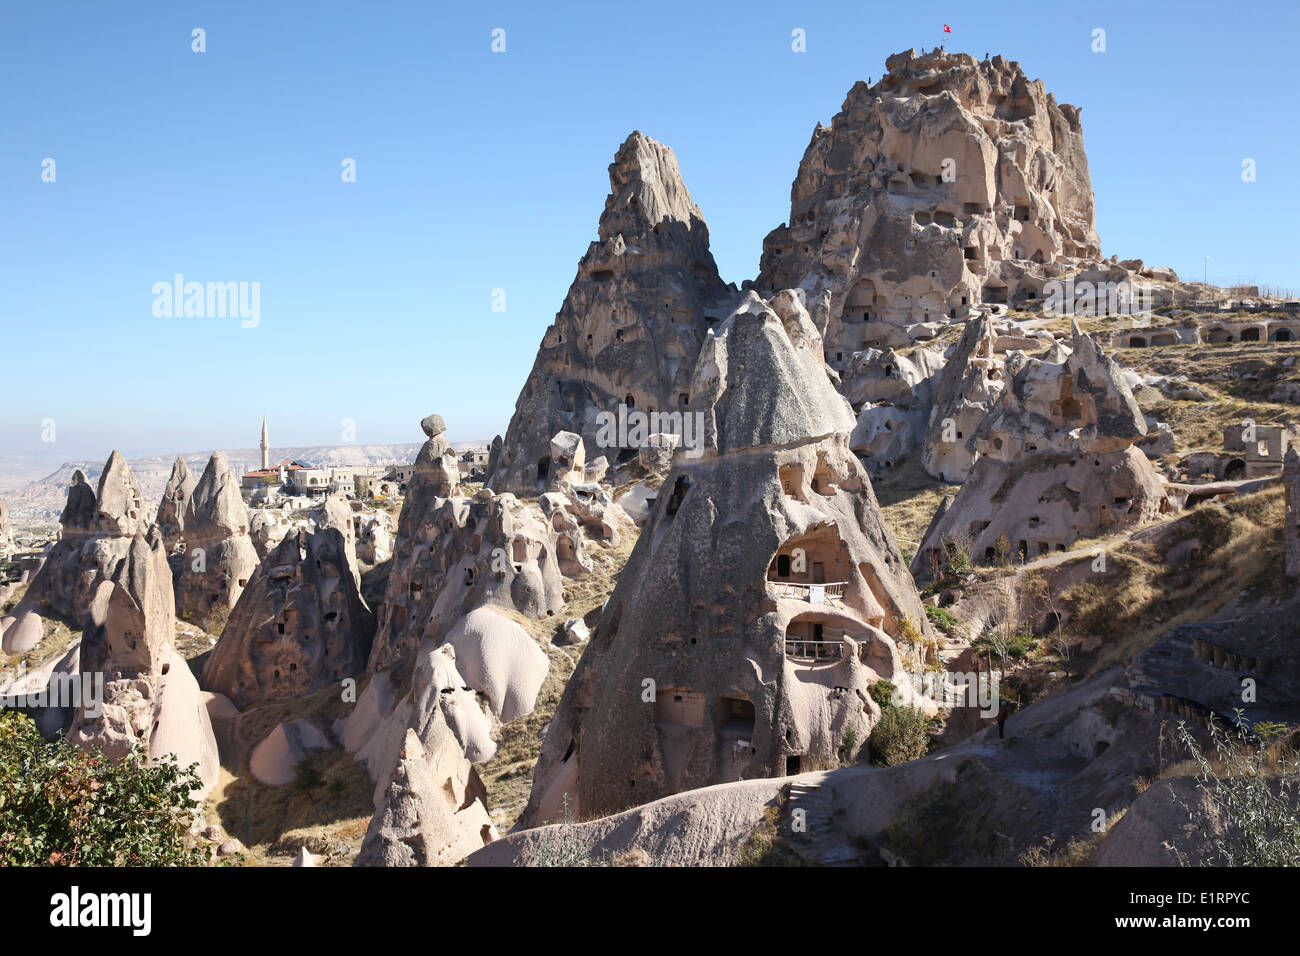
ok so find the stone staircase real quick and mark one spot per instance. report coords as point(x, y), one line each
point(821, 842)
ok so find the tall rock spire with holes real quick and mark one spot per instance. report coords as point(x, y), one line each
point(631, 327)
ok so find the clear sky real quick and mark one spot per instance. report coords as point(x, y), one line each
point(478, 171)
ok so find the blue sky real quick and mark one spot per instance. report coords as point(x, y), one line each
point(478, 171)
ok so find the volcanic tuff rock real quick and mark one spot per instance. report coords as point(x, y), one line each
point(756, 669)
point(438, 698)
point(96, 536)
point(300, 625)
point(964, 391)
point(456, 554)
point(149, 692)
point(434, 811)
point(219, 556)
point(6, 532)
point(948, 184)
point(1056, 461)
point(631, 325)
point(175, 500)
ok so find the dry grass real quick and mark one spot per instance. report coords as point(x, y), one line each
point(327, 810)
point(330, 803)
point(1141, 596)
point(908, 500)
point(509, 774)
point(1075, 853)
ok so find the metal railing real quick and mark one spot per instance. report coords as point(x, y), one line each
point(812, 593)
point(799, 649)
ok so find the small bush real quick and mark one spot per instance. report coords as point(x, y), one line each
point(900, 736)
point(1251, 785)
point(882, 692)
point(943, 618)
point(63, 806)
point(847, 744)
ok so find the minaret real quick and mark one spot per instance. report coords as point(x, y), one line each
point(266, 447)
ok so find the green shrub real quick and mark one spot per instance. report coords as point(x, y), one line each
point(943, 618)
point(1249, 783)
point(60, 805)
point(847, 743)
point(882, 692)
point(900, 736)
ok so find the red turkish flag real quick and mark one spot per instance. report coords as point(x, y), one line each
point(947, 29)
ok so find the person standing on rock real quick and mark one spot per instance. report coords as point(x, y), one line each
point(1004, 711)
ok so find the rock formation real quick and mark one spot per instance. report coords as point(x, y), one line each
point(97, 529)
point(456, 554)
point(631, 326)
point(219, 557)
point(1291, 482)
point(1056, 462)
point(6, 532)
point(150, 695)
point(964, 391)
point(434, 811)
point(948, 184)
point(762, 600)
point(499, 658)
point(175, 501)
point(438, 698)
point(299, 625)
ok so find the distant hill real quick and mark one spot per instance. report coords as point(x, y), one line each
point(43, 499)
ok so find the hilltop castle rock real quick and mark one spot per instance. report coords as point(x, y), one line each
point(763, 597)
point(949, 184)
point(631, 326)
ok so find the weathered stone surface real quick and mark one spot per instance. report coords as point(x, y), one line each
point(6, 532)
point(948, 184)
point(720, 586)
point(219, 556)
point(631, 326)
point(499, 658)
point(433, 425)
point(761, 350)
point(22, 630)
point(96, 538)
point(964, 391)
point(150, 694)
point(175, 501)
point(1056, 462)
point(456, 554)
point(434, 811)
point(300, 625)
point(438, 698)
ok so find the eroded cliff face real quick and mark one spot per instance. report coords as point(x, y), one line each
point(763, 598)
point(1054, 461)
point(948, 184)
point(631, 326)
